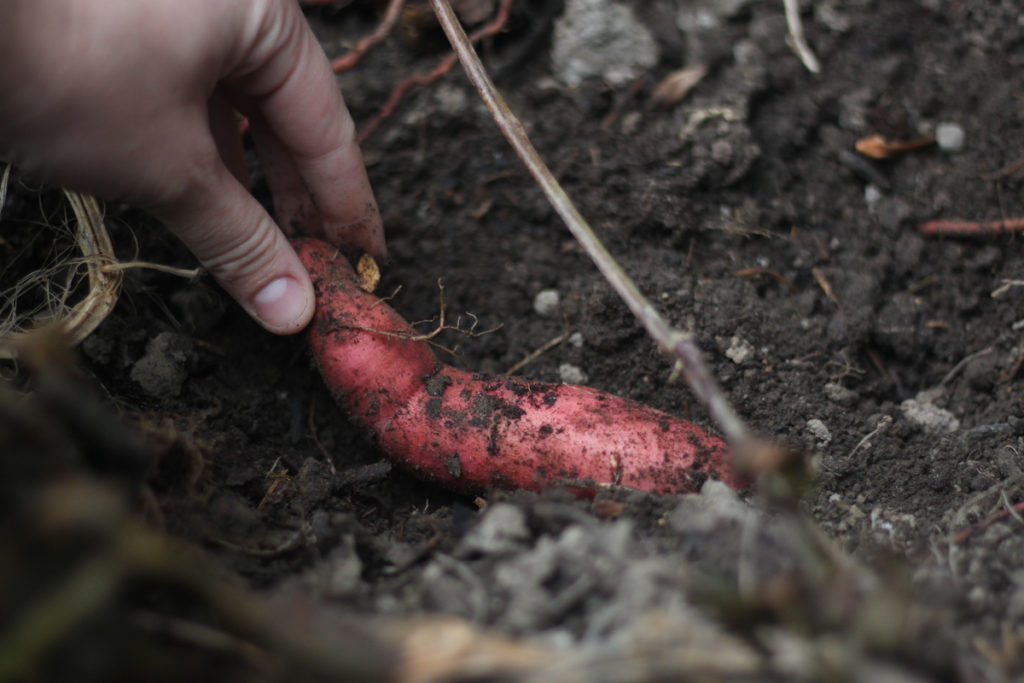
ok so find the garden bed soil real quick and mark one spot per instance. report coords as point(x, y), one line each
point(891, 359)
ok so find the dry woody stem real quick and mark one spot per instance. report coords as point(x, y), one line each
point(680, 345)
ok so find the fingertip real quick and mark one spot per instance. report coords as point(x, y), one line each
point(364, 235)
point(306, 140)
point(284, 305)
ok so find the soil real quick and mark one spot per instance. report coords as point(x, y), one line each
point(889, 357)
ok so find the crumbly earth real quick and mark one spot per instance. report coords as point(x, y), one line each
point(890, 358)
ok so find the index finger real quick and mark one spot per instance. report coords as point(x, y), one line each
point(284, 75)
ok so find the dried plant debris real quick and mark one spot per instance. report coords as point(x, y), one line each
point(75, 292)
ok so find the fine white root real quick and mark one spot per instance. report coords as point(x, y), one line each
point(797, 41)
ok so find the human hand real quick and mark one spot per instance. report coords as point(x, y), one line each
point(135, 100)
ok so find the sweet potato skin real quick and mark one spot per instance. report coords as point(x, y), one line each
point(469, 432)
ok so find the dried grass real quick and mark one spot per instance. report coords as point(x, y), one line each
point(74, 292)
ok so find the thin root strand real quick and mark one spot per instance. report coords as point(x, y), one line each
point(971, 228)
point(424, 79)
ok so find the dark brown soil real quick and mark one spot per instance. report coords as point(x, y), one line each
point(797, 263)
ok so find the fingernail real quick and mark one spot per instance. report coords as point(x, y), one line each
point(280, 304)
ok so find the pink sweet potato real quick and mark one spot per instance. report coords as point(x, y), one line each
point(469, 432)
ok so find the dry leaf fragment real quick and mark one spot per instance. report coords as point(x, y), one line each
point(369, 273)
point(674, 87)
point(608, 509)
point(877, 147)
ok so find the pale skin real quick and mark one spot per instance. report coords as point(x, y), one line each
point(136, 100)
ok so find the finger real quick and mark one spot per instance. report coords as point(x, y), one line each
point(224, 127)
point(293, 206)
point(242, 247)
point(288, 79)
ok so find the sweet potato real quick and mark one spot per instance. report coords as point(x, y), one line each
point(468, 431)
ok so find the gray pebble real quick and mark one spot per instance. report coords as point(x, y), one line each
point(715, 506)
point(949, 137)
point(819, 431)
point(572, 374)
point(161, 370)
point(502, 530)
point(601, 38)
point(928, 416)
point(837, 393)
point(546, 302)
point(872, 195)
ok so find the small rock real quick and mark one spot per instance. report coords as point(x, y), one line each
point(819, 431)
point(601, 38)
point(575, 340)
point(949, 137)
point(572, 374)
point(546, 302)
point(872, 195)
point(837, 393)
point(161, 371)
point(502, 529)
point(739, 350)
point(715, 506)
point(930, 417)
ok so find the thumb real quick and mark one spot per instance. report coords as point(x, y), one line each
point(243, 249)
